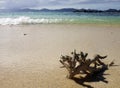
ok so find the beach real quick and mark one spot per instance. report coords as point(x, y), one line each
point(29, 54)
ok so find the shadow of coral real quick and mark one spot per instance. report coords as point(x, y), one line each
point(95, 77)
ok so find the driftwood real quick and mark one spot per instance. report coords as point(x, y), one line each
point(78, 63)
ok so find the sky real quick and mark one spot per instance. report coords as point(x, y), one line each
point(56, 4)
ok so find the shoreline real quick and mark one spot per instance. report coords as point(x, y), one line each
point(67, 24)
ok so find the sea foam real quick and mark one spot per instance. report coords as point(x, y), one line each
point(27, 20)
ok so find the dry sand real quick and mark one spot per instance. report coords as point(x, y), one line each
point(29, 54)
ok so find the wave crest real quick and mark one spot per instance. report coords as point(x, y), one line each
point(27, 20)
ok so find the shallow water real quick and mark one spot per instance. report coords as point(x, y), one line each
point(15, 18)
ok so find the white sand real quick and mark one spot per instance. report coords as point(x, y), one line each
point(31, 60)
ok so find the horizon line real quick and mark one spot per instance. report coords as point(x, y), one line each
point(56, 8)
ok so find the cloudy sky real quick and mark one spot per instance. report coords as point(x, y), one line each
point(55, 4)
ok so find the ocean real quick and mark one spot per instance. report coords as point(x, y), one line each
point(18, 18)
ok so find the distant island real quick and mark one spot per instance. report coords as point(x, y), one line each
point(59, 10)
point(94, 10)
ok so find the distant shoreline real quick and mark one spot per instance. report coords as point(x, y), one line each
point(59, 10)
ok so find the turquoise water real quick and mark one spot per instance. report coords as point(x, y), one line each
point(15, 18)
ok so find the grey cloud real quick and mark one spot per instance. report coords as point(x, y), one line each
point(99, 1)
point(12, 4)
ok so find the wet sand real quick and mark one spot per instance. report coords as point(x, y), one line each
point(29, 54)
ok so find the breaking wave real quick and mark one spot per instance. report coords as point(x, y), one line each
point(23, 20)
point(28, 20)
